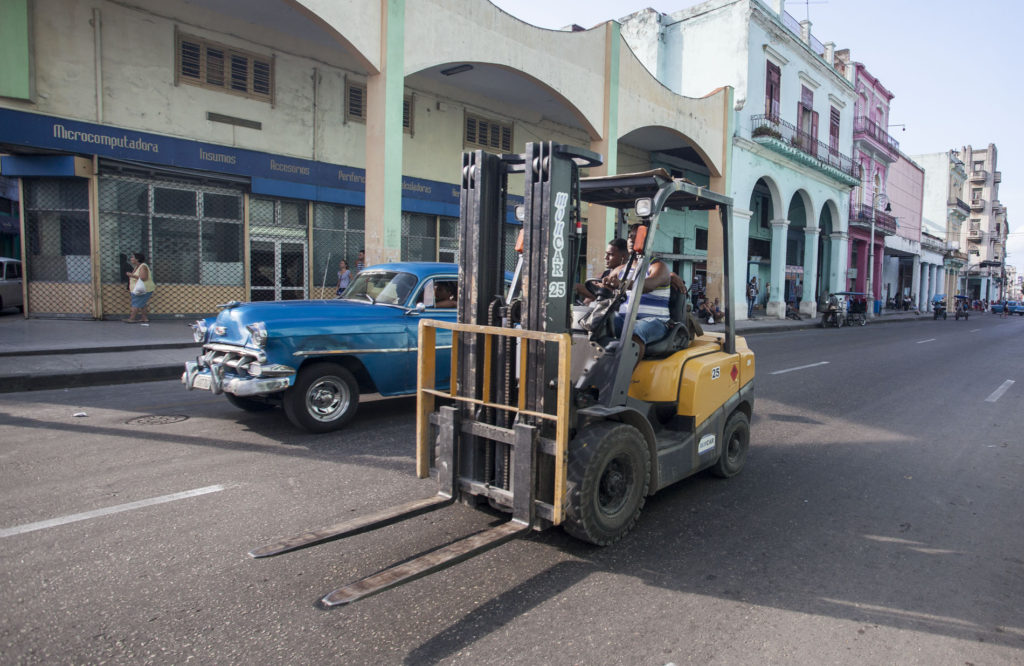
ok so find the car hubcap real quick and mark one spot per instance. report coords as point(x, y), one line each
point(327, 399)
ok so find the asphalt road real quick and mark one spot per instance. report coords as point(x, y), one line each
point(877, 521)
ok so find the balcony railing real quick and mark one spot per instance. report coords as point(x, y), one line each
point(974, 231)
point(862, 215)
point(962, 205)
point(977, 204)
point(865, 126)
point(979, 174)
point(766, 128)
point(997, 176)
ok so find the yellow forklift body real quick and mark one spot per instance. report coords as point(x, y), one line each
point(703, 365)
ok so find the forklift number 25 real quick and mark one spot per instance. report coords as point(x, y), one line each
point(716, 372)
point(556, 290)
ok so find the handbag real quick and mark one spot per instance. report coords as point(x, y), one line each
point(140, 287)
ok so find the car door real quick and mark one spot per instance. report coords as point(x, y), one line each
point(10, 284)
point(425, 296)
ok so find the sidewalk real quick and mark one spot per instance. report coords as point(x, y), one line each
point(38, 354)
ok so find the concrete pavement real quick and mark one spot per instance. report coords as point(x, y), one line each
point(38, 354)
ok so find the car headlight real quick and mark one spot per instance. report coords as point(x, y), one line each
point(258, 333)
point(199, 331)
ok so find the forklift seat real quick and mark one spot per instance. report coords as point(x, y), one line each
point(682, 325)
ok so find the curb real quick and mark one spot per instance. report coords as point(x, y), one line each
point(98, 350)
point(50, 381)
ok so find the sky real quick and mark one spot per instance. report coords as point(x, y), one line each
point(950, 65)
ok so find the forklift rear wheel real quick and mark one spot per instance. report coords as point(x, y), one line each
point(609, 474)
point(248, 404)
point(735, 443)
point(323, 398)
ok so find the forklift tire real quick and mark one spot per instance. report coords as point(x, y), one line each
point(735, 443)
point(323, 398)
point(609, 474)
point(248, 404)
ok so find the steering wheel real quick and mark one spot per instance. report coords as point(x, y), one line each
point(597, 288)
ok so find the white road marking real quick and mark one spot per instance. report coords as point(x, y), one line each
point(974, 330)
point(921, 342)
point(54, 522)
point(998, 393)
point(802, 367)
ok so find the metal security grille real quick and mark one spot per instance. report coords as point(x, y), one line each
point(511, 256)
point(58, 268)
point(277, 249)
point(191, 236)
point(338, 233)
point(429, 237)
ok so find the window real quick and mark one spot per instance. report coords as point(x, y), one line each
point(700, 241)
point(355, 106)
point(190, 234)
point(429, 237)
point(338, 233)
point(210, 65)
point(979, 165)
point(773, 84)
point(975, 192)
point(488, 134)
point(355, 103)
point(833, 131)
point(807, 119)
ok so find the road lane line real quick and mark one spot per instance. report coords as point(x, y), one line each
point(921, 342)
point(802, 367)
point(998, 393)
point(974, 330)
point(54, 522)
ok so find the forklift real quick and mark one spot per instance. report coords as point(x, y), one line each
point(551, 415)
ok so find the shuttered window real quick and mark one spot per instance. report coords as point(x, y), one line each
point(355, 106)
point(773, 84)
point(488, 134)
point(210, 65)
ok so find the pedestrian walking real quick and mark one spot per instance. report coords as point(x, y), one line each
point(752, 292)
point(141, 288)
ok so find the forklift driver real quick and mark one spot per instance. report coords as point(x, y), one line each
point(653, 312)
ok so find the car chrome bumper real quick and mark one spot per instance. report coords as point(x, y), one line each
point(212, 378)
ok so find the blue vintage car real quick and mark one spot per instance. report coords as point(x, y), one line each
point(315, 358)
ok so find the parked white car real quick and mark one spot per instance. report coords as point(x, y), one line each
point(10, 284)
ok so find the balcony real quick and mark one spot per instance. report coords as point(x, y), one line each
point(977, 204)
point(864, 127)
point(861, 216)
point(974, 232)
point(962, 206)
point(997, 176)
point(980, 174)
point(784, 138)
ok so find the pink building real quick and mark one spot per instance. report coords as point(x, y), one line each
point(871, 217)
point(907, 252)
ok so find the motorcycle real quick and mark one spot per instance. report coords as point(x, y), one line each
point(939, 306)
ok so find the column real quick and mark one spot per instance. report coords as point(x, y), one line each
point(934, 286)
point(926, 282)
point(776, 305)
point(738, 261)
point(809, 302)
point(915, 281)
point(384, 141)
point(837, 278)
point(862, 265)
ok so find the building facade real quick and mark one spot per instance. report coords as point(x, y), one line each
point(984, 234)
point(791, 172)
point(944, 213)
point(907, 252)
point(245, 156)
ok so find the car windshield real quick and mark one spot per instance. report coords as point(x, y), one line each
point(391, 287)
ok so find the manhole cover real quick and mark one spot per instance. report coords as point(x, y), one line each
point(157, 419)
